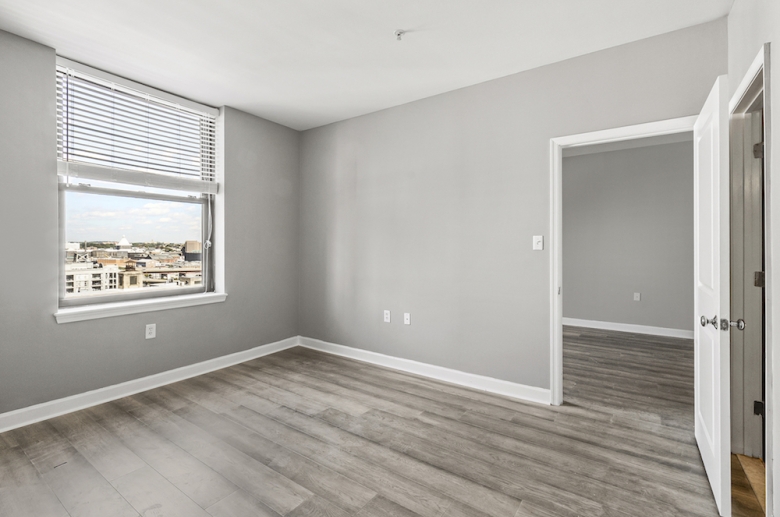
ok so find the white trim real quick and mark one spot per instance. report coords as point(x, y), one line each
point(618, 134)
point(629, 327)
point(624, 145)
point(755, 68)
point(91, 171)
point(762, 64)
point(769, 405)
point(470, 380)
point(218, 233)
point(127, 83)
point(663, 127)
point(46, 410)
point(109, 310)
point(556, 273)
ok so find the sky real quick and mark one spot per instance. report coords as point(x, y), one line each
point(94, 217)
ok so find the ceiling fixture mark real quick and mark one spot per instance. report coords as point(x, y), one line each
point(399, 33)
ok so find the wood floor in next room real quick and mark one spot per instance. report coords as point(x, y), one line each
point(302, 433)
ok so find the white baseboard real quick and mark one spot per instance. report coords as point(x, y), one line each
point(470, 380)
point(628, 327)
point(30, 415)
point(39, 412)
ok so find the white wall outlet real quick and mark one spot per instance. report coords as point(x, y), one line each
point(407, 318)
point(387, 316)
point(637, 297)
point(538, 242)
point(151, 331)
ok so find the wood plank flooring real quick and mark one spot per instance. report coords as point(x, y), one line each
point(755, 472)
point(745, 501)
point(302, 433)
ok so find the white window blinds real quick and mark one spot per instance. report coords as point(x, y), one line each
point(106, 131)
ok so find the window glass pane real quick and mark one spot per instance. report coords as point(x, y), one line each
point(117, 245)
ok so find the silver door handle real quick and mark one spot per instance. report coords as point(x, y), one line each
point(725, 324)
point(713, 321)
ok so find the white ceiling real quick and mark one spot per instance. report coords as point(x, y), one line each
point(305, 63)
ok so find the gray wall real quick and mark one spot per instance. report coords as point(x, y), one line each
point(42, 361)
point(430, 207)
point(627, 228)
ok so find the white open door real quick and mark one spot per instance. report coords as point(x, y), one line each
point(711, 301)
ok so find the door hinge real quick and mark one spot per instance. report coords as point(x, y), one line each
point(758, 407)
point(759, 279)
point(758, 150)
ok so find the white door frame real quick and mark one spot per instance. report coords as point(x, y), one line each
point(761, 65)
point(557, 145)
point(663, 127)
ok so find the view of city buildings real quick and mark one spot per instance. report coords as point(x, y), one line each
point(99, 267)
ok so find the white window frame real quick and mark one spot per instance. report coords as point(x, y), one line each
point(103, 306)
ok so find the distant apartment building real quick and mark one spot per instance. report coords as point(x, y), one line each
point(190, 279)
point(84, 277)
point(131, 279)
point(105, 253)
point(75, 256)
point(167, 257)
point(192, 251)
point(118, 262)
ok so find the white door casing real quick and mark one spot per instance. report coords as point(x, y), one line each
point(711, 300)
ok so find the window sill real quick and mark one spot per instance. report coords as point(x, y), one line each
point(109, 310)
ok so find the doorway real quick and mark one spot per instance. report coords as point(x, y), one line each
point(627, 270)
point(661, 129)
point(748, 302)
point(720, 323)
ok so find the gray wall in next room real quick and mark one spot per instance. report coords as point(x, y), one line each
point(42, 361)
point(628, 228)
point(430, 207)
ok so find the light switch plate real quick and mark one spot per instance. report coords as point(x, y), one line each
point(387, 316)
point(637, 297)
point(407, 318)
point(538, 242)
point(151, 331)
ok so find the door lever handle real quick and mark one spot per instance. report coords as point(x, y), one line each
point(725, 324)
point(713, 321)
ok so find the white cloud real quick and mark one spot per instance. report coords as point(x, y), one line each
point(151, 209)
point(94, 214)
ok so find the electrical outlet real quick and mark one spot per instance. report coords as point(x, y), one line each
point(407, 318)
point(637, 297)
point(387, 316)
point(151, 331)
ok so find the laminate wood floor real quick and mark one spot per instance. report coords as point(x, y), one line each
point(745, 501)
point(302, 433)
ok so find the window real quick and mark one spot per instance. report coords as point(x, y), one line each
point(137, 176)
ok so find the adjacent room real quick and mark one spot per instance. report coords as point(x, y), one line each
point(628, 270)
point(443, 259)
